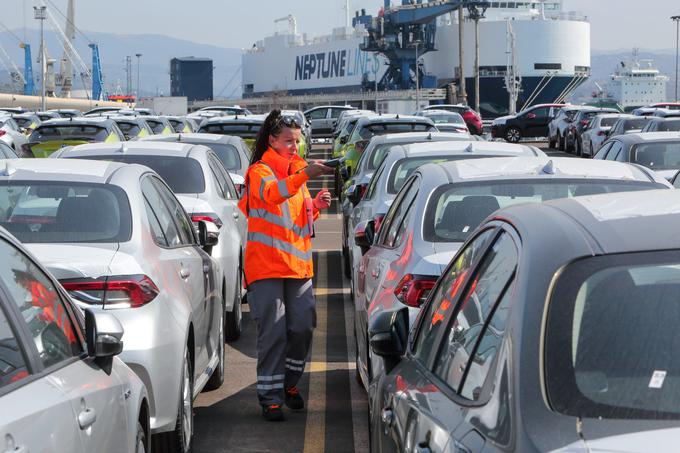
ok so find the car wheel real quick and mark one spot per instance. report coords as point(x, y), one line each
point(217, 377)
point(578, 148)
point(345, 253)
point(233, 319)
point(561, 142)
point(179, 440)
point(513, 135)
point(357, 374)
point(551, 143)
point(140, 442)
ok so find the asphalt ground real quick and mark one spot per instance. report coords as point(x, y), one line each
point(229, 419)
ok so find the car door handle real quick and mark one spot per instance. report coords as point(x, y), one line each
point(86, 418)
point(375, 273)
point(235, 214)
point(184, 273)
point(12, 447)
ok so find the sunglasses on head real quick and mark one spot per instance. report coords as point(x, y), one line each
point(288, 121)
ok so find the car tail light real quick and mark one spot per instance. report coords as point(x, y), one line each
point(412, 290)
point(117, 291)
point(601, 133)
point(2, 132)
point(206, 217)
point(377, 221)
point(361, 188)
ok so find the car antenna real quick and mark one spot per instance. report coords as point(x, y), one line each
point(469, 148)
point(397, 117)
point(549, 168)
point(429, 136)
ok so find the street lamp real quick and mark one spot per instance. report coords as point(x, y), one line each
point(476, 13)
point(139, 56)
point(39, 13)
point(677, 46)
point(416, 44)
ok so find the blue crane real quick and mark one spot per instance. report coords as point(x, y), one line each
point(403, 33)
point(97, 78)
point(29, 88)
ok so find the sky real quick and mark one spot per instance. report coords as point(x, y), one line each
point(616, 24)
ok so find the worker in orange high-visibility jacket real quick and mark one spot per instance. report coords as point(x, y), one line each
point(278, 264)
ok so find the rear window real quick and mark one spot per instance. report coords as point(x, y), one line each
point(370, 130)
point(455, 210)
point(610, 338)
point(52, 212)
point(403, 168)
point(443, 118)
point(669, 126)
point(228, 155)
point(241, 130)
point(608, 122)
point(69, 132)
point(379, 154)
point(23, 122)
point(636, 123)
point(156, 126)
point(129, 129)
point(658, 156)
point(182, 174)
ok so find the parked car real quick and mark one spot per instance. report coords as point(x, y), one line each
point(48, 115)
point(245, 127)
point(67, 113)
point(61, 385)
point(11, 135)
point(371, 159)
point(441, 205)
point(323, 119)
point(159, 125)
point(226, 110)
point(181, 124)
point(573, 141)
point(205, 190)
point(667, 113)
point(97, 111)
point(595, 134)
point(132, 127)
point(346, 123)
point(446, 121)
point(120, 242)
point(662, 125)
point(667, 105)
point(395, 169)
point(659, 151)
point(557, 127)
point(55, 134)
point(28, 121)
point(230, 149)
point(531, 122)
point(473, 119)
point(628, 125)
point(518, 347)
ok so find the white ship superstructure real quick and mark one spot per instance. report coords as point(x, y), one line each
point(638, 83)
point(552, 54)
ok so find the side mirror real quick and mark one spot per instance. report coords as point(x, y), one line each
point(388, 336)
point(208, 233)
point(344, 173)
point(240, 188)
point(364, 235)
point(361, 145)
point(103, 334)
point(343, 140)
point(355, 192)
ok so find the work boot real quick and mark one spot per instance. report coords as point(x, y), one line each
point(293, 399)
point(272, 413)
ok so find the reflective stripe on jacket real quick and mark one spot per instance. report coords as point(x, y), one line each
point(279, 231)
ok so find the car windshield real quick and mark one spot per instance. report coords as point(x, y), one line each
point(668, 126)
point(45, 212)
point(228, 155)
point(658, 156)
point(608, 122)
point(455, 210)
point(182, 174)
point(635, 123)
point(244, 130)
point(69, 132)
point(615, 363)
point(403, 168)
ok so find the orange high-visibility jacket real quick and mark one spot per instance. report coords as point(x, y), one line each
point(279, 209)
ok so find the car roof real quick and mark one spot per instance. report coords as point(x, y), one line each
point(139, 148)
point(615, 223)
point(641, 137)
point(245, 119)
point(191, 137)
point(78, 170)
point(543, 167)
point(412, 136)
point(395, 118)
point(460, 147)
point(89, 120)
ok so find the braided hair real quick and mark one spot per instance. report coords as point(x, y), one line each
point(271, 127)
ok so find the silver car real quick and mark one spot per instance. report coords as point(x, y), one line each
point(11, 135)
point(230, 149)
point(404, 160)
point(61, 387)
point(596, 133)
point(442, 204)
point(207, 193)
point(120, 242)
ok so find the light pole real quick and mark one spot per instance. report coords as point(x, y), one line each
point(417, 43)
point(139, 56)
point(677, 46)
point(477, 13)
point(39, 13)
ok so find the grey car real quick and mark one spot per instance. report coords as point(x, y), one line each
point(323, 118)
point(662, 125)
point(405, 159)
point(442, 204)
point(548, 332)
point(659, 151)
point(230, 149)
point(61, 388)
point(628, 125)
point(120, 242)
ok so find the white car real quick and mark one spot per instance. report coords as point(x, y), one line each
point(206, 191)
point(61, 388)
point(119, 242)
point(11, 135)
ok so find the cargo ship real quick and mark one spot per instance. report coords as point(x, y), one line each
point(549, 56)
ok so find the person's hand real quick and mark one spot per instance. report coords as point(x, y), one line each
point(316, 168)
point(322, 200)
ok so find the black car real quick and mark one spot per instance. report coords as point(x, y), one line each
point(532, 122)
point(662, 125)
point(578, 125)
point(529, 347)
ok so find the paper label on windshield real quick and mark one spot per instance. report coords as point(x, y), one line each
point(656, 382)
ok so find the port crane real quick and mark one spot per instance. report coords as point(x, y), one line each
point(406, 32)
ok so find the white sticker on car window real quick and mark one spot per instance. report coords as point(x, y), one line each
point(656, 382)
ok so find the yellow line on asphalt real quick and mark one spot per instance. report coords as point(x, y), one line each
point(315, 427)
